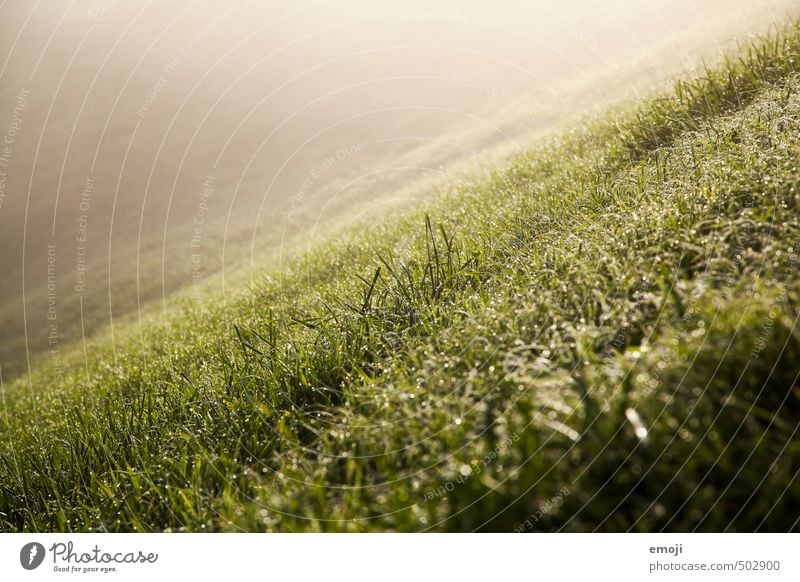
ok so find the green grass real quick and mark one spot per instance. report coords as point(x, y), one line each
point(491, 365)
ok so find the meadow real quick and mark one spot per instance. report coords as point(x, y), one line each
point(601, 335)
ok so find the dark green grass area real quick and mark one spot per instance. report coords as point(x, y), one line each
point(601, 336)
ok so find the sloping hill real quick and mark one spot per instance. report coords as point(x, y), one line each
point(601, 336)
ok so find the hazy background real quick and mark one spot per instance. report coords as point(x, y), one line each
point(182, 138)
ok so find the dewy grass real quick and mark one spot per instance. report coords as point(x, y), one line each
point(602, 336)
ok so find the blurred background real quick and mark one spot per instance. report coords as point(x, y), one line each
point(180, 147)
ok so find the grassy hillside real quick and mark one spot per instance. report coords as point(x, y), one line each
point(601, 336)
point(403, 99)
